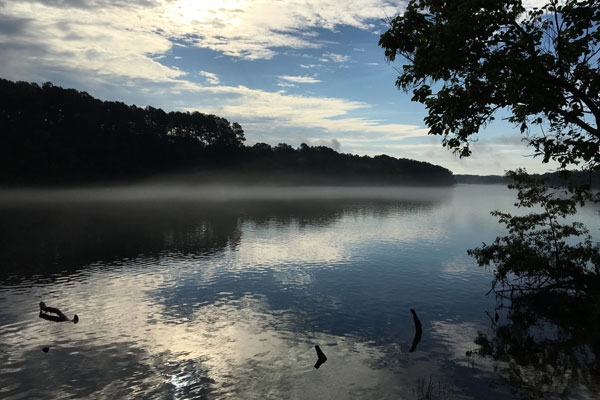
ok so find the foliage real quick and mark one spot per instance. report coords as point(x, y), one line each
point(547, 269)
point(52, 135)
point(322, 165)
point(469, 59)
point(541, 252)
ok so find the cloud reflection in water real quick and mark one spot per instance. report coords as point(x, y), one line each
point(231, 302)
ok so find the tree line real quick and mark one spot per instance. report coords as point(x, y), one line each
point(53, 135)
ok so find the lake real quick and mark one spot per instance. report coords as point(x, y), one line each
point(216, 292)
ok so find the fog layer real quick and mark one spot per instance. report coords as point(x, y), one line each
point(219, 193)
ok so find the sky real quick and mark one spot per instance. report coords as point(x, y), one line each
point(297, 71)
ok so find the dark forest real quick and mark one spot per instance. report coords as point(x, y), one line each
point(56, 136)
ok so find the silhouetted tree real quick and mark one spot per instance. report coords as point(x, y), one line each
point(466, 60)
point(55, 135)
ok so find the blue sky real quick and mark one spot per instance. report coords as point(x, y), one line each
point(295, 72)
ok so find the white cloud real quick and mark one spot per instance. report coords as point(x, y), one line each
point(255, 29)
point(534, 3)
point(105, 42)
point(128, 38)
point(210, 78)
point(333, 57)
point(299, 79)
point(323, 113)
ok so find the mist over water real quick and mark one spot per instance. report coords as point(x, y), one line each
point(223, 292)
point(219, 192)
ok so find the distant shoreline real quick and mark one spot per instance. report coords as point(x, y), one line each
point(553, 178)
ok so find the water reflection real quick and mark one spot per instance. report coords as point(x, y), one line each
point(546, 344)
point(50, 238)
point(230, 348)
point(197, 299)
point(44, 234)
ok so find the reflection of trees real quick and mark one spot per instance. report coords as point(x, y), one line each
point(56, 238)
point(48, 238)
point(325, 212)
point(548, 343)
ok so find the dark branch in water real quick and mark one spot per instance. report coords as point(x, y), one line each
point(59, 317)
point(418, 331)
point(321, 357)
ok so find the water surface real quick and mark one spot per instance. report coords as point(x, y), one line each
point(219, 293)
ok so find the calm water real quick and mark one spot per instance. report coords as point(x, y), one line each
point(215, 293)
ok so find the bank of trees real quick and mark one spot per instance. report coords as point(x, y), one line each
point(467, 60)
point(323, 165)
point(52, 135)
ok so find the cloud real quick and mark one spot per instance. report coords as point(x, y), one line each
point(211, 78)
point(534, 3)
point(125, 41)
point(333, 57)
point(299, 79)
point(243, 29)
point(107, 42)
point(92, 4)
point(326, 114)
point(335, 144)
point(257, 29)
point(286, 85)
point(13, 26)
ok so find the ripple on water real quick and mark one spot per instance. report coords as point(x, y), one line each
point(237, 314)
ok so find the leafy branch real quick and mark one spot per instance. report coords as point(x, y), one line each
point(542, 250)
